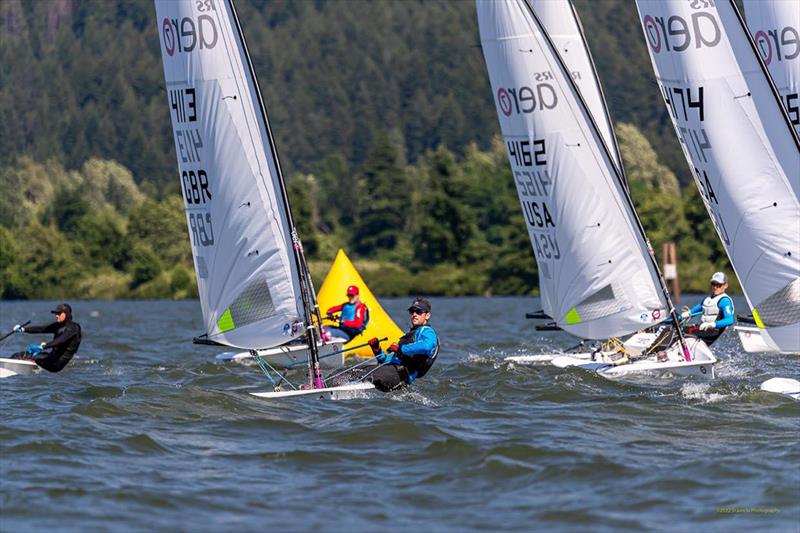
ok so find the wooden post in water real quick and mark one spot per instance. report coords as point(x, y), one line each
point(670, 258)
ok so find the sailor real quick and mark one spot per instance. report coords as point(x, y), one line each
point(413, 355)
point(56, 354)
point(353, 319)
point(716, 311)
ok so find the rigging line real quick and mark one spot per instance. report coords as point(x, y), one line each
point(348, 369)
point(263, 364)
point(365, 376)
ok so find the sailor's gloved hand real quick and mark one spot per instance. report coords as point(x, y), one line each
point(707, 325)
point(375, 345)
point(18, 329)
point(34, 349)
point(330, 317)
point(382, 357)
point(686, 314)
point(394, 348)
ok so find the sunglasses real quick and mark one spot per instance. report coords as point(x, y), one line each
point(715, 284)
point(416, 312)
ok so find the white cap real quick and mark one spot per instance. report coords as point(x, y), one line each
point(719, 277)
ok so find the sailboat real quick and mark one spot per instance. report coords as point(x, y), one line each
point(742, 147)
point(771, 23)
point(597, 272)
point(255, 289)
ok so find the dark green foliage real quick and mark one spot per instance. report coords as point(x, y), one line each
point(383, 199)
point(145, 265)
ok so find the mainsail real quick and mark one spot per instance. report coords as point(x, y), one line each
point(564, 28)
point(775, 27)
point(595, 276)
point(739, 143)
point(239, 224)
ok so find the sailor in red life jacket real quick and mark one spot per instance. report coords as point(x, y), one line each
point(353, 318)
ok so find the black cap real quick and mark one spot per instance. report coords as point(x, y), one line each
point(420, 304)
point(62, 308)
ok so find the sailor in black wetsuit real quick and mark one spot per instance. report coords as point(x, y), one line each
point(66, 339)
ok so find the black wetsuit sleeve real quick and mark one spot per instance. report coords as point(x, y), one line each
point(49, 328)
point(69, 332)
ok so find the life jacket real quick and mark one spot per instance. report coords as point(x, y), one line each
point(349, 313)
point(711, 309)
point(417, 366)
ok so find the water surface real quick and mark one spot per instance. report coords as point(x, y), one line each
point(144, 431)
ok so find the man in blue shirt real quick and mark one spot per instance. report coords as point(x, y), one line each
point(716, 311)
point(413, 355)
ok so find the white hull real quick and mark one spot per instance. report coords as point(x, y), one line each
point(296, 354)
point(784, 386)
point(343, 392)
point(634, 345)
point(16, 367)
point(701, 365)
point(755, 340)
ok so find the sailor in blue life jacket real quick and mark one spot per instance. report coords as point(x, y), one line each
point(413, 355)
point(716, 311)
point(353, 319)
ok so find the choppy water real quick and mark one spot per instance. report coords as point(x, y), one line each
point(144, 431)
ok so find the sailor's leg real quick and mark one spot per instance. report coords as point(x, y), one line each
point(388, 378)
point(336, 333)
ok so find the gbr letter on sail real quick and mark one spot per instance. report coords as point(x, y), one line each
point(740, 145)
point(238, 225)
point(594, 274)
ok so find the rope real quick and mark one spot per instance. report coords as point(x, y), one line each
point(348, 369)
point(264, 365)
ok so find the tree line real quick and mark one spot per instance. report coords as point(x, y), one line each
point(444, 225)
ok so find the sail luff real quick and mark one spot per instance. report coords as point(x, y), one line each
point(749, 38)
point(596, 78)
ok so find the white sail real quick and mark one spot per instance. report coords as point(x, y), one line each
point(235, 209)
point(595, 278)
point(743, 152)
point(564, 28)
point(775, 27)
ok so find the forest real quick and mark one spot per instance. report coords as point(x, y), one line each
point(384, 122)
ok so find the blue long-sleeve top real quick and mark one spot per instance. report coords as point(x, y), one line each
point(424, 346)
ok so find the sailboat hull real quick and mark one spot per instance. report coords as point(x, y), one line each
point(785, 386)
point(635, 345)
point(291, 355)
point(754, 339)
point(701, 365)
point(343, 392)
point(16, 367)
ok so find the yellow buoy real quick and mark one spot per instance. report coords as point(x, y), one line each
point(341, 275)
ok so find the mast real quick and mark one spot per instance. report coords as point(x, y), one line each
point(310, 307)
point(599, 86)
point(618, 172)
point(766, 73)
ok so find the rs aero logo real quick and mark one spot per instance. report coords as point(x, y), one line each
point(778, 44)
point(526, 99)
point(677, 34)
point(186, 34)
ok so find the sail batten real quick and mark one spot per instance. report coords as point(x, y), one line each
point(237, 215)
point(582, 228)
point(740, 146)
